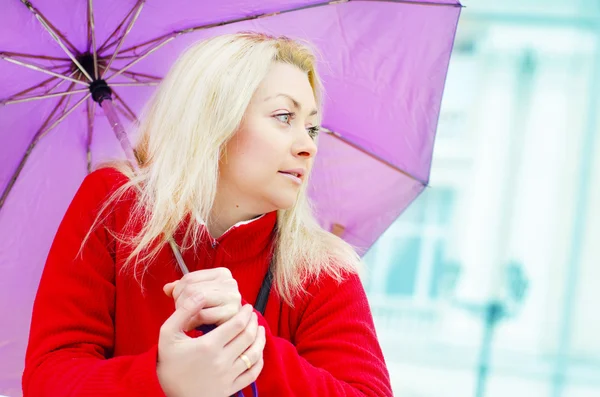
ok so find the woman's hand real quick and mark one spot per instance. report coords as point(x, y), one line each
point(217, 287)
point(208, 366)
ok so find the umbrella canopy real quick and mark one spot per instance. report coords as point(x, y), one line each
point(383, 65)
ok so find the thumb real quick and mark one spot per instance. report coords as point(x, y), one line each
point(177, 323)
point(169, 287)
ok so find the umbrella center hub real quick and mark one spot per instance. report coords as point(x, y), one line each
point(99, 88)
point(86, 60)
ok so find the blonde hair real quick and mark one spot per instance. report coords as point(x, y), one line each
point(196, 109)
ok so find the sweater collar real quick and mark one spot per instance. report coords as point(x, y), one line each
point(243, 241)
point(247, 239)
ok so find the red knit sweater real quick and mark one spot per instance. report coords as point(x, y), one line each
point(94, 332)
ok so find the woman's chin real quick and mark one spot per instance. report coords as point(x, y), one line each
point(283, 202)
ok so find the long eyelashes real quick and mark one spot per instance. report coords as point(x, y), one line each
point(313, 132)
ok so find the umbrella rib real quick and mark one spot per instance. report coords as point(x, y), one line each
point(135, 84)
point(34, 142)
point(130, 114)
point(64, 115)
point(135, 75)
point(170, 36)
point(124, 113)
point(89, 33)
point(60, 105)
point(74, 72)
point(58, 67)
point(141, 57)
point(105, 46)
point(122, 57)
point(35, 12)
point(124, 36)
point(39, 69)
point(43, 83)
point(49, 118)
point(259, 16)
point(92, 36)
point(45, 57)
point(27, 90)
point(68, 98)
point(416, 2)
point(146, 43)
point(57, 37)
point(372, 155)
point(38, 97)
point(16, 174)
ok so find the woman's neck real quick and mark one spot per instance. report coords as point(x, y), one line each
point(224, 216)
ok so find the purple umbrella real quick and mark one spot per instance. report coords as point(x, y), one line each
point(384, 66)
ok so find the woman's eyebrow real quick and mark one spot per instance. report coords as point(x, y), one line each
point(296, 104)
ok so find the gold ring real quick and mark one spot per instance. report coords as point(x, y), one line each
point(246, 360)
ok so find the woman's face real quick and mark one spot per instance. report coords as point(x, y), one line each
point(270, 156)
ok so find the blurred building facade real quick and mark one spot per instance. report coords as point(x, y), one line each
point(511, 216)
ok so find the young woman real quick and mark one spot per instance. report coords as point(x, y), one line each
point(225, 151)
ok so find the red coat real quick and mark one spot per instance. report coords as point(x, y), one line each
point(94, 331)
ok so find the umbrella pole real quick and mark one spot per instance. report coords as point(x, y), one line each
point(103, 95)
point(113, 118)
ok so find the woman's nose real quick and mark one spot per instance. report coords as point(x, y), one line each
point(305, 146)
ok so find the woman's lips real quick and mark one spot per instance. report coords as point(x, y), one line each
point(292, 176)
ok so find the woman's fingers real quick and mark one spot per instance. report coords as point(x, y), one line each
point(254, 353)
point(219, 273)
point(245, 379)
point(168, 288)
point(219, 314)
point(223, 334)
point(178, 321)
point(215, 294)
point(243, 340)
point(222, 299)
point(216, 315)
point(204, 283)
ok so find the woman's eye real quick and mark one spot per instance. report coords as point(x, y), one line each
point(284, 117)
